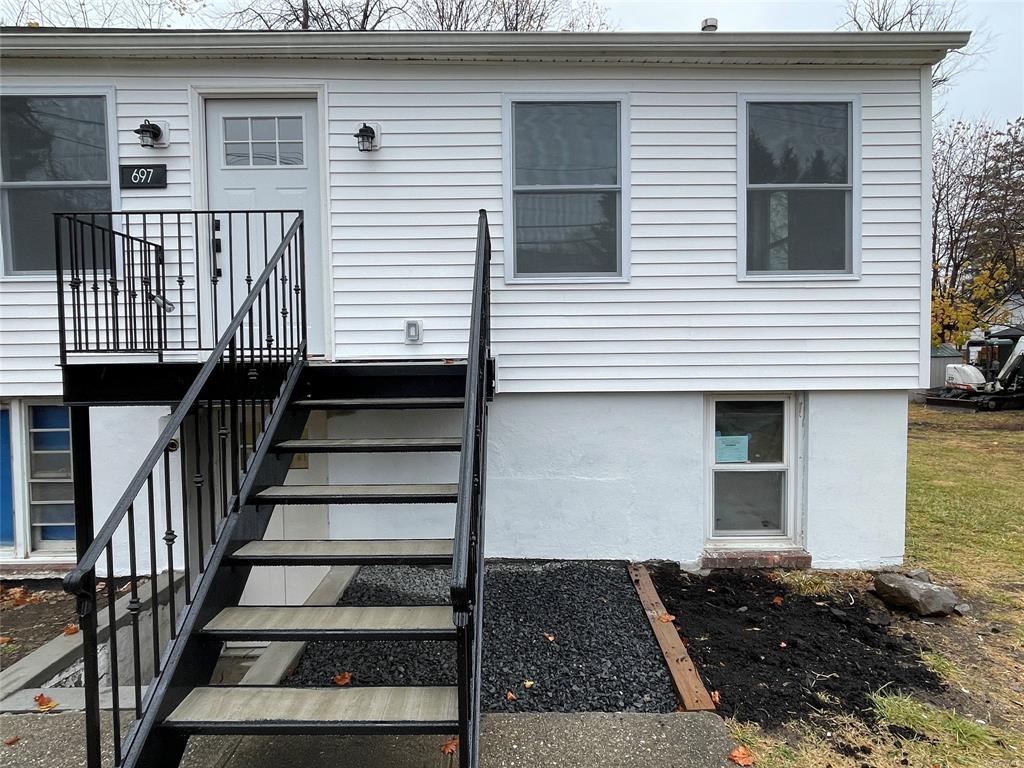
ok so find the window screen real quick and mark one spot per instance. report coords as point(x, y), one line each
point(799, 191)
point(566, 188)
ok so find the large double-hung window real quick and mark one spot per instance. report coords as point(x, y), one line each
point(53, 158)
point(798, 191)
point(565, 203)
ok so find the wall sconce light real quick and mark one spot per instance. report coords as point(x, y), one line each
point(153, 135)
point(368, 137)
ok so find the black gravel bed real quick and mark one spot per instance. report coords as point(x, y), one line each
point(775, 656)
point(603, 656)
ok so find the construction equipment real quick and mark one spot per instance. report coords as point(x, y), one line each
point(967, 386)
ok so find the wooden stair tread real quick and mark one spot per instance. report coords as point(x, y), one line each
point(369, 445)
point(366, 493)
point(344, 549)
point(381, 402)
point(249, 704)
point(331, 617)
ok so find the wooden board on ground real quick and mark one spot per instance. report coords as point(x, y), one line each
point(684, 675)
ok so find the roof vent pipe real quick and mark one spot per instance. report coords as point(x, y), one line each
point(709, 25)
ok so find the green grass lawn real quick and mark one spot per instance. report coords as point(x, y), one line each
point(965, 500)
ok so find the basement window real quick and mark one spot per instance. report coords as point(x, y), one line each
point(566, 201)
point(799, 204)
point(751, 483)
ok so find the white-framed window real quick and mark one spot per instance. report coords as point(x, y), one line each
point(54, 156)
point(799, 187)
point(751, 474)
point(566, 188)
point(263, 141)
point(37, 509)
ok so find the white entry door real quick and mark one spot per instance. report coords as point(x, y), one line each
point(262, 155)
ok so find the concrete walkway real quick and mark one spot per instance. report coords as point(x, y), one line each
point(690, 740)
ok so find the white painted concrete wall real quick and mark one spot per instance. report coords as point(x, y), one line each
point(856, 478)
point(622, 476)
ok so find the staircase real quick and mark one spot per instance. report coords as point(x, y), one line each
point(199, 507)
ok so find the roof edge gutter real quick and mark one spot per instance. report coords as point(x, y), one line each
point(840, 47)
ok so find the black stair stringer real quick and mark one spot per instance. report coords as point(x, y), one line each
point(189, 660)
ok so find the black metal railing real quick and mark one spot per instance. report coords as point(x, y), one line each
point(467, 585)
point(156, 545)
point(157, 281)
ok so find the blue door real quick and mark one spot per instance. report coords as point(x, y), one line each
point(6, 491)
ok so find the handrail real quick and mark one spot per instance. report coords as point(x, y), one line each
point(479, 350)
point(75, 580)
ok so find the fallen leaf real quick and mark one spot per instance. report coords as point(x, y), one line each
point(528, 684)
point(71, 629)
point(716, 698)
point(666, 618)
point(777, 600)
point(10, 741)
point(4, 640)
point(343, 679)
point(741, 756)
point(511, 696)
point(549, 637)
point(451, 746)
point(43, 702)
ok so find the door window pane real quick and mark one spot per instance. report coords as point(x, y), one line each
point(570, 144)
point(791, 142)
point(263, 141)
point(790, 230)
point(567, 232)
point(264, 129)
point(289, 128)
point(236, 129)
point(749, 502)
point(757, 425)
point(46, 138)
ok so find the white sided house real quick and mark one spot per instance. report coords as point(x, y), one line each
point(708, 281)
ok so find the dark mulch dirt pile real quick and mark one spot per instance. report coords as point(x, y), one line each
point(773, 663)
point(603, 656)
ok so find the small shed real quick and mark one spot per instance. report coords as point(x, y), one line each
point(942, 355)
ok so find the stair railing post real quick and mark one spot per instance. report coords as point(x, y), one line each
point(81, 462)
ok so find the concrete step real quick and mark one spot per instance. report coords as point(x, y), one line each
point(406, 493)
point(272, 709)
point(370, 445)
point(337, 552)
point(332, 622)
point(364, 403)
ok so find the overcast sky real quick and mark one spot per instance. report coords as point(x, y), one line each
point(993, 89)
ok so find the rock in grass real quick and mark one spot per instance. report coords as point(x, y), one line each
point(919, 574)
point(919, 597)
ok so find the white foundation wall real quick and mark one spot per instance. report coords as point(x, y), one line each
point(856, 485)
point(623, 476)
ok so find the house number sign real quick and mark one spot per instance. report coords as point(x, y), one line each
point(144, 176)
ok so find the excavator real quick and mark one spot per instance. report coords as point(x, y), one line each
point(967, 387)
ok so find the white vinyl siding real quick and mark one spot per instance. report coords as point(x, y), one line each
point(402, 225)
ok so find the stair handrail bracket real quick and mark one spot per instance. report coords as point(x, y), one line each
point(167, 524)
point(468, 550)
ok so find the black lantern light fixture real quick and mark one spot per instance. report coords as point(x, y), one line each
point(366, 138)
point(152, 135)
